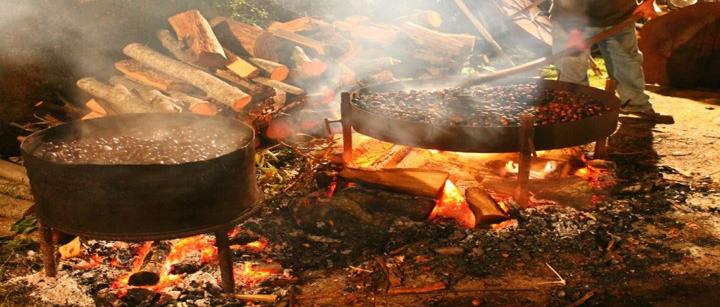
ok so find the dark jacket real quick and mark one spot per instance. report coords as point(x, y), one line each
point(594, 13)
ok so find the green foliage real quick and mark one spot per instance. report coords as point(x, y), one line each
point(25, 225)
point(248, 11)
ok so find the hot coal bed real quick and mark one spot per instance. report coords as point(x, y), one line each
point(341, 233)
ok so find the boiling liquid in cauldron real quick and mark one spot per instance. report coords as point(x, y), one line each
point(482, 106)
point(171, 146)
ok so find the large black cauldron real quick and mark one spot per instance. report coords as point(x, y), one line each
point(143, 202)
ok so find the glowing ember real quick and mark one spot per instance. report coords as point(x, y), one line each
point(452, 205)
point(95, 261)
point(513, 168)
point(248, 274)
point(201, 246)
point(583, 172)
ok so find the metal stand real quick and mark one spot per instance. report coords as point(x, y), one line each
point(345, 100)
point(47, 247)
point(527, 148)
point(221, 241)
point(225, 261)
point(601, 144)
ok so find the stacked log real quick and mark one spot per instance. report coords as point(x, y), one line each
point(224, 66)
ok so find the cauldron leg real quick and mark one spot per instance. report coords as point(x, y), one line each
point(225, 261)
point(47, 247)
point(527, 147)
point(345, 100)
point(601, 149)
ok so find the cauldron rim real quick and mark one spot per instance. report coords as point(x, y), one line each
point(34, 137)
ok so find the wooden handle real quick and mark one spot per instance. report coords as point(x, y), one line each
point(500, 74)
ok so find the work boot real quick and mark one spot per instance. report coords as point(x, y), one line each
point(647, 113)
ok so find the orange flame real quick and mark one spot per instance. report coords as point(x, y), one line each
point(95, 261)
point(452, 205)
point(178, 252)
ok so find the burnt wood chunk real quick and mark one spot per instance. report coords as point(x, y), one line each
point(484, 207)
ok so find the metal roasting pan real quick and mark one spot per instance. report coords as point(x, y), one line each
point(481, 139)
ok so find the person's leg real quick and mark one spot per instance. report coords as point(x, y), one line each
point(624, 63)
point(571, 68)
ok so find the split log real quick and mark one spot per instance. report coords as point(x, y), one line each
point(121, 100)
point(150, 77)
point(153, 264)
point(319, 47)
point(371, 66)
point(96, 107)
point(14, 172)
point(420, 182)
point(262, 298)
point(279, 85)
point(238, 36)
point(277, 71)
point(194, 104)
point(417, 290)
point(240, 66)
point(155, 98)
point(485, 208)
point(428, 18)
point(193, 29)
point(484, 32)
point(443, 44)
point(393, 157)
point(92, 115)
point(302, 24)
point(308, 67)
point(213, 87)
point(177, 48)
point(245, 84)
point(374, 34)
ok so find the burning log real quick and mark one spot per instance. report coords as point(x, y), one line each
point(485, 208)
point(214, 87)
point(177, 48)
point(238, 36)
point(301, 40)
point(152, 266)
point(120, 99)
point(152, 96)
point(420, 182)
point(308, 67)
point(302, 24)
point(240, 66)
point(150, 77)
point(416, 208)
point(195, 31)
point(262, 298)
point(277, 71)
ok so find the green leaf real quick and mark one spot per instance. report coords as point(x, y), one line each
point(25, 225)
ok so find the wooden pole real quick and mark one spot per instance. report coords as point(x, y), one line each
point(484, 32)
point(345, 100)
point(526, 145)
point(225, 261)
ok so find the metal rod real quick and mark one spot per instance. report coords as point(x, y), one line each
point(601, 149)
point(345, 100)
point(526, 145)
point(48, 250)
point(225, 261)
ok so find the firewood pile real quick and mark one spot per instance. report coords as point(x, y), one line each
point(280, 79)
